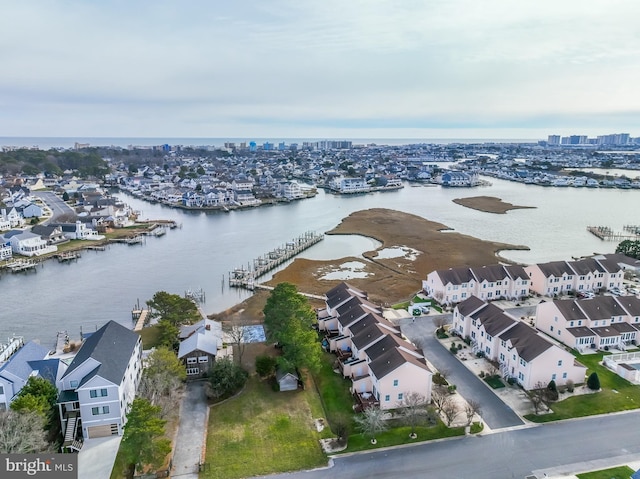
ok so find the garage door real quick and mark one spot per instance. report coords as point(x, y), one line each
point(102, 431)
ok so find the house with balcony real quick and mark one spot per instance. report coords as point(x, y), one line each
point(100, 384)
point(603, 322)
point(26, 243)
point(334, 298)
point(371, 351)
point(520, 351)
point(454, 285)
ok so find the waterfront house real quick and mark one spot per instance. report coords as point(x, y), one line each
point(453, 285)
point(603, 322)
point(100, 384)
point(26, 243)
point(520, 351)
point(200, 345)
point(5, 249)
point(51, 234)
point(24, 361)
point(79, 231)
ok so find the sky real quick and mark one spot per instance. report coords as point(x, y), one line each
point(319, 69)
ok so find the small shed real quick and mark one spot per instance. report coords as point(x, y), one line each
point(287, 381)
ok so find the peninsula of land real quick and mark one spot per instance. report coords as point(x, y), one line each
point(428, 246)
point(489, 204)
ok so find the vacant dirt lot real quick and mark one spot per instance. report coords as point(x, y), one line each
point(389, 280)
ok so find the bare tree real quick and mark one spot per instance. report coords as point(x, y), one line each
point(162, 380)
point(371, 422)
point(440, 397)
point(236, 333)
point(537, 396)
point(471, 409)
point(414, 410)
point(22, 433)
point(493, 368)
point(450, 411)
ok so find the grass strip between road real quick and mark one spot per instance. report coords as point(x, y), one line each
point(622, 472)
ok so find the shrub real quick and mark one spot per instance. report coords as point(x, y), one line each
point(552, 386)
point(593, 382)
point(459, 346)
point(570, 386)
point(453, 349)
point(439, 379)
point(452, 388)
point(226, 378)
point(481, 374)
point(265, 366)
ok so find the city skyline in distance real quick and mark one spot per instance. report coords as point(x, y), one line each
point(330, 69)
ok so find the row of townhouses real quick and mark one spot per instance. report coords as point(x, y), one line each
point(598, 273)
point(382, 365)
point(521, 352)
point(603, 322)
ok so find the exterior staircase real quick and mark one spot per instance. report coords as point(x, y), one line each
point(70, 432)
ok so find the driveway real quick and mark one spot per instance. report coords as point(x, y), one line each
point(192, 430)
point(495, 413)
point(57, 206)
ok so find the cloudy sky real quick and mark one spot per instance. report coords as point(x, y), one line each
point(329, 68)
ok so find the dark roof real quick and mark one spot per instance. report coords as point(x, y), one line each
point(339, 293)
point(367, 321)
point(19, 363)
point(586, 266)
point(570, 309)
point(455, 275)
point(516, 271)
point(368, 335)
point(580, 332)
point(609, 264)
point(469, 305)
point(555, 269)
point(493, 319)
point(112, 346)
point(392, 360)
point(491, 273)
point(389, 342)
point(601, 307)
point(43, 230)
point(606, 331)
point(526, 340)
point(631, 304)
point(624, 327)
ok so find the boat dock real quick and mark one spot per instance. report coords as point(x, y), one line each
point(140, 316)
point(246, 278)
point(196, 295)
point(67, 256)
point(7, 350)
point(607, 234)
point(19, 265)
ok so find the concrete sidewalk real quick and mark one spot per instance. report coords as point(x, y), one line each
point(192, 431)
point(97, 456)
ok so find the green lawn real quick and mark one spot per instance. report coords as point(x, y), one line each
point(334, 393)
point(263, 432)
point(400, 435)
point(617, 395)
point(494, 381)
point(622, 472)
point(150, 336)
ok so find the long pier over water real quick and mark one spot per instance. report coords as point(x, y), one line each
point(246, 278)
point(630, 232)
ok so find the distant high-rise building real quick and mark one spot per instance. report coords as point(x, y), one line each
point(281, 146)
point(266, 146)
point(553, 140)
point(253, 146)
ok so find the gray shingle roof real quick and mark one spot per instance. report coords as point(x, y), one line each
point(455, 275)
point(570, 309)
point(470, 305)
point(601, 307)
point(493, 319)
point(556, 269)
point(392, 360)
point(18, 365)
point(112, 346)
point(526, 341)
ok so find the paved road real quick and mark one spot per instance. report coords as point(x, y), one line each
point(494, 411)
point(555, 449)
point(191, 432)
point(58, 207)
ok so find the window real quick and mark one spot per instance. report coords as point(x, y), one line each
point(192, 360)
point(192, 371)
point(571, 324)
point(203, 359)
point(73, 384)
point(551, 327)
point(1, 389)
point(560, 362)
point(501, 357)
point(523, 362)
point(387, 397)
point(97, 411)
point(487, 350)
point(553, 377)
point(94, 393)
point(399, 396)
point(564, 375)
point(395, 382)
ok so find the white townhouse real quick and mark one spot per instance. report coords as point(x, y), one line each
point(100, 384)
point(589, 274)
point(453, 285)
point(520, 351)
point(5, 249)
point(349, 185)
point(382, 365)
point(603, 322)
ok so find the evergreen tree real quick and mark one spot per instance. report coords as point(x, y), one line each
point(593, 382)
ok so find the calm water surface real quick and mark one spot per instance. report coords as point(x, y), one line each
point(106, 285)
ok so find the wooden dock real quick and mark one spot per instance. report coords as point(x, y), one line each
point(140, 316)
point(67, 256)
point(246, 278)
point(20, 265)
point(607, 234)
